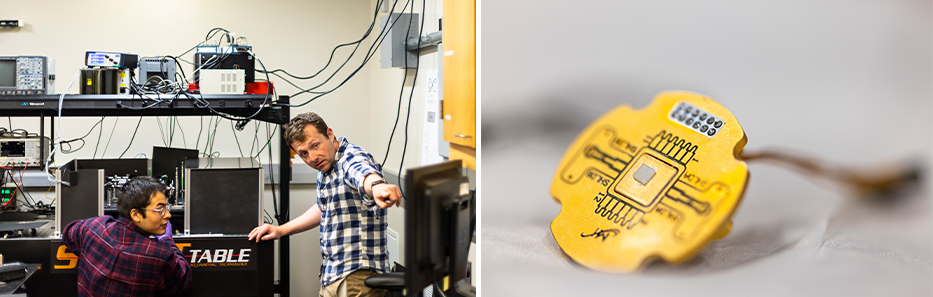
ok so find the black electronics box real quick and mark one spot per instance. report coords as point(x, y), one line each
point(238, 58)
point(80, 195)
point(223, 195)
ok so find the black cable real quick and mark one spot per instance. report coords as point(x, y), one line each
point(209, 36)
point(100, 133)
point(209, 144)
point(366, 60)
point(368, 31)
point(88, 131)
point(181, 69)
point(329, 60)
point(110, 138)
point(171, 130)
point(27, 194)
point(174, 123)
point(289, 82)
point(266, 217)
point(237, 140)
point(200, 129)
point(69, 150)
point(255, 143)
point(398, 111)
point(226, 33)
point(182, 129)
point(23, 191)
point(222, 114)
point(410, 94)
point(228, 116)
point(132, 138)
point(275, 202)
point(207, 135)
point(161, 133)
point(268, 142)
point(179, 88)
point(269, 89)
point(214, 137)
point(171, 134)
point(137, 108)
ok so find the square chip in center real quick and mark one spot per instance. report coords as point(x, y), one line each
point(642, 184)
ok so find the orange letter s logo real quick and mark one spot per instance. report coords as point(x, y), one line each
point(65, 256)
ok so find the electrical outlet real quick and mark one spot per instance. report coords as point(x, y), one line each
point(11, 23)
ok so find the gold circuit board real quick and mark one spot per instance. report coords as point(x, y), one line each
point(661, 182)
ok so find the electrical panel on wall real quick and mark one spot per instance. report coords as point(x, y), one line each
point(394, 51)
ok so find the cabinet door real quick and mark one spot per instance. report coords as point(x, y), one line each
point(459, 105)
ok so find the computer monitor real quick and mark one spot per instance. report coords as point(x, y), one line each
point(438, 227)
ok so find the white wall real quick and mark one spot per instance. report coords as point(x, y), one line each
point(294, 35)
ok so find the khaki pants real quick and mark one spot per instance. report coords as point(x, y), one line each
point(352, 286)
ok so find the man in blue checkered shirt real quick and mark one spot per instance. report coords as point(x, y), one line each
point(352, 198)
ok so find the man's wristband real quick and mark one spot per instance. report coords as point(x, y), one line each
point(376, 182)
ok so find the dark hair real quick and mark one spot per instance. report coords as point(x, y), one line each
point(136, 194)
point(294, 130)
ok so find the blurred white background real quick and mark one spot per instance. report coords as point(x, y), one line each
point(848, 81)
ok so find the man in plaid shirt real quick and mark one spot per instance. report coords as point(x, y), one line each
point(117, 256)
point(352, 198)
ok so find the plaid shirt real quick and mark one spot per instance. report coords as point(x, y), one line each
point(352, 225)
point(119, 259)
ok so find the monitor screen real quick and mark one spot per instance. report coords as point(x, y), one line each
point(438, 225)
point(7, 73)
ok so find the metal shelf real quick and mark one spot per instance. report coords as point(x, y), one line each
point(127, 105)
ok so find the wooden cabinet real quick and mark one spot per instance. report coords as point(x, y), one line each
point(459, 74)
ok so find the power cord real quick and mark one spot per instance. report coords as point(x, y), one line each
point(875, 180)
point(132, 138)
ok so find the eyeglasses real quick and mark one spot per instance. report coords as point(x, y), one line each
point(162, 210)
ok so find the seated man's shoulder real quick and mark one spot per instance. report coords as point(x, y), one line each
point(101, 222)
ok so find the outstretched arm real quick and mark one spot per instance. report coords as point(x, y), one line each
point(310, 219)
point(384, 194)
point(73, 236)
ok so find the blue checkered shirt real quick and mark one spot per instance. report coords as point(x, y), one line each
point(353, 227)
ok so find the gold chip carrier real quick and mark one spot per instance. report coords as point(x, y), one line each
point(661, 182)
